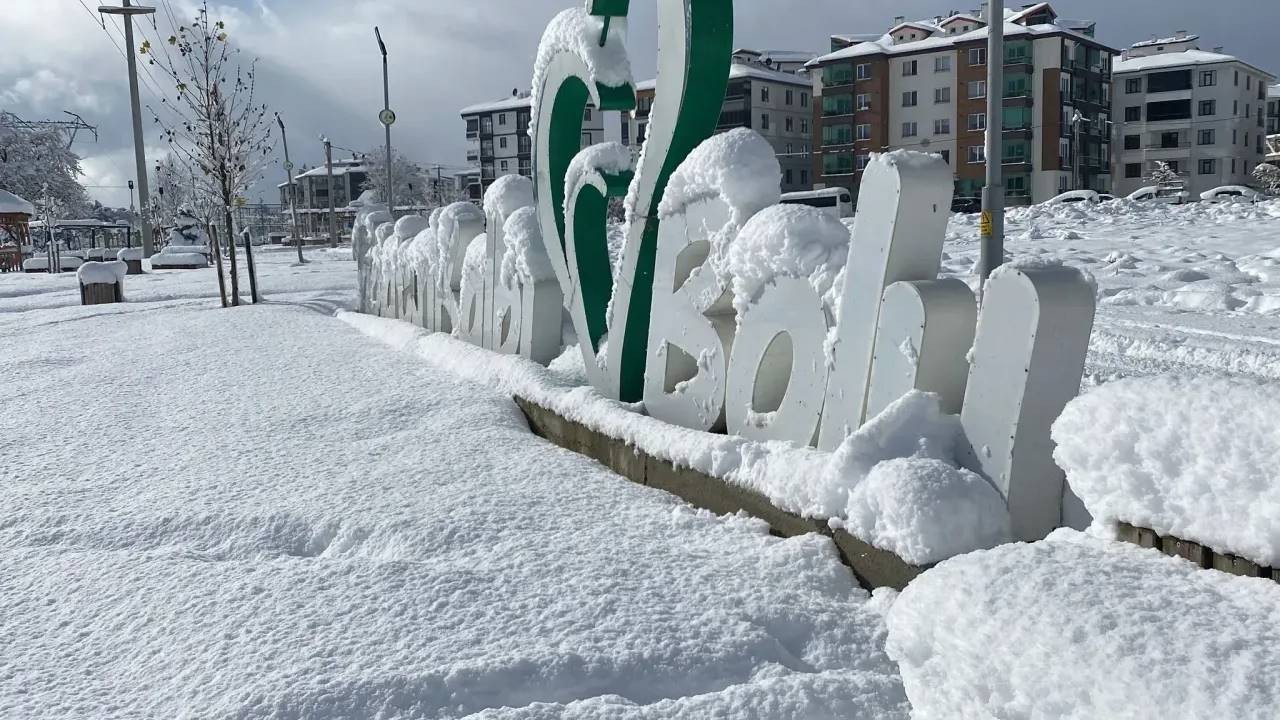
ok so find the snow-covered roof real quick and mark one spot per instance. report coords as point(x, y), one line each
point(338, 169)
point(885, 45)
point(856, 37)
point(788, 55)
point(1178, 59)
point(12, 204)
point(916, 24)
point(743, 70)
point(1018, 15)
point(961, 17)
point(515, 102)
point(1165, 41)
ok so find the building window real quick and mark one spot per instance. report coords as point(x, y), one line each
point(1233, 166)
point(1133, 85)
point(1208, 107)
point(1132, 142)
point(978, 121)
point(1170, 140)
point(1248, 82)
point(942, 63)
point(587, 140)
point(909, 98)
point(502, 142)
point(909, 67)
point(586, 115)
point(863, 102)
point(1237, 81)
point(909, 129)
point(790, 124)
point(791, 149)
point(837, 135)
point(764, 121)
point(837, 105)
point(862, 132)
point(1133, 114)
point(764, 93)
point(977, 89)
point(506, 166)
point(804, 126)
point(942, 126)
point(790, 179)
point(1208, 167)
point(861, 162)
point(942, 95)
point(1205, 137)
point(1208, 78)
point(502, 119)
point(977, 56)
point(864, 71)
point(1133, 170)
point(804, 177)
point(789, 97)
point(976, 154)
point(804, 99)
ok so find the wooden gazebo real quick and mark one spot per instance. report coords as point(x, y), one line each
point(15, 214)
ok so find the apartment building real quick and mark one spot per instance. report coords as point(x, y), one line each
point(311, 188)
point(1203, 113)
point(1273, 110)
point(766, 94)
point(498, 141)
point(923, 86)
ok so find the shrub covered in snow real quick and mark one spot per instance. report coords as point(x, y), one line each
point(1193, 457)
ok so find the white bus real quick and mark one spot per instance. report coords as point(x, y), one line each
point(837, 201)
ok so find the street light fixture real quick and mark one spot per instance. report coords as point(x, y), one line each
point(139, 150)
point(388, 118)
point(293, 191)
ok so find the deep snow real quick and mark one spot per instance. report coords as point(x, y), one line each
point(263, 514)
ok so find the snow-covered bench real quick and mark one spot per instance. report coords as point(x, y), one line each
point(40, 263)
point(181, 257)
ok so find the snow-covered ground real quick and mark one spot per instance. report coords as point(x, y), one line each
point(264, 513)
point(260, 513)
point(1184, 288)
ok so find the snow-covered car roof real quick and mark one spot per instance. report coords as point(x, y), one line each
point(1075, 196)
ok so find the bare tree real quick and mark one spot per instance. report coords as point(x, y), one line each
point(410, 186)
point(216, 129)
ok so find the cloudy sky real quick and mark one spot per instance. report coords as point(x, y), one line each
point(319, 65)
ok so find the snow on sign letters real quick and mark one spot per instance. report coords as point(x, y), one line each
point(723, 310)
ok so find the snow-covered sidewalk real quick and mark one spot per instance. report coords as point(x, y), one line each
point(261, 513)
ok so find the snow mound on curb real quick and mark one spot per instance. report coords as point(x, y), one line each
point(925, 510)
point(1192, 457)
point(1079, 628)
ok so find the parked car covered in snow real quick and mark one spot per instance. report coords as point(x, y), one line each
point(1232, 193)
point(1106, 197)
point(1154, 193)
point(1074, 196)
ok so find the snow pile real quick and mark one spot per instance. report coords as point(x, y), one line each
point(102, 273)
point(40, 263)
point(1078, 628)
point(12, 204)
point(609, 158)
point(1192, 457)
point(188, 246)
point(576, 32)
point(508, 194)
point(128, 254)
point(925, 511)
point(524, 259)
point(792, 241)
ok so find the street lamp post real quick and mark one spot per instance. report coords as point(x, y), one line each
point(139, 150)
point(388, 118)
point(333, 218)
point(293, 199)
point(133, 213)
point(993, 193)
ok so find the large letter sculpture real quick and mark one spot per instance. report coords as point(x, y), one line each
point(723, 310)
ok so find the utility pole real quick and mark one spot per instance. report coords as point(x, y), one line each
point(333, 217)
point(293, 190)
point(139, 149)
point(993, 193)
point(388, 118)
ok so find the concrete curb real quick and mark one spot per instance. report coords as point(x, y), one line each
point(873, 567)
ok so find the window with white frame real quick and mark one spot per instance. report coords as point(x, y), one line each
point(863, 72)
point(909, 67)
point(942, 126)
point(977, 56)
point(909, 98)
point(863, 101)
point(942, 95)
point(909, 129)
point(977, 121)
point(1208, 78)
point(862, 132)
point(942, 63)
point(977, 89)
point(976, 154)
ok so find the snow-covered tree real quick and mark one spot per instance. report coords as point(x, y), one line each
point(410, 184)
point(1163, 175)
point(217, 131)
point(1268, 178)
point(38, 162)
